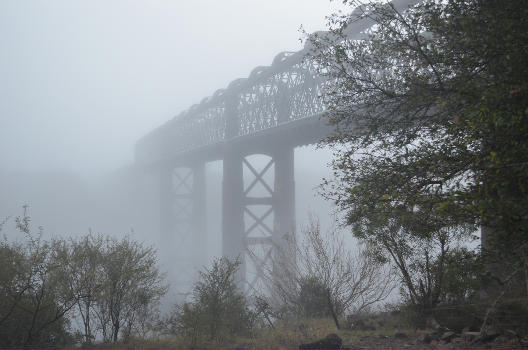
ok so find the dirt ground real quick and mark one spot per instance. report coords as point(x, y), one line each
point(413, 341)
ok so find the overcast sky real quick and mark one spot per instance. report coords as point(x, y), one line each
point(81, 81)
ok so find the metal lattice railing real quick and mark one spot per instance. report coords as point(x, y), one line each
point(288, 90)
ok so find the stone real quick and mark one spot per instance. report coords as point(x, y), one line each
point(330, 342)
point(400, 335)
point(427, 338)
point(447, 336)
point(470, 336)
point(457, 340)
point(512, 335)
point(489, 334)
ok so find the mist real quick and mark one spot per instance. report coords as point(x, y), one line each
point(83, 81)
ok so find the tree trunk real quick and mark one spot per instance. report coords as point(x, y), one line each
point(331, 307)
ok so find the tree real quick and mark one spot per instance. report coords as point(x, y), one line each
point(83, 260)
point(325, 278)
point(33, 302)
point(132, 284)
point(218, 308)
point(114, 285)
point(431, 121)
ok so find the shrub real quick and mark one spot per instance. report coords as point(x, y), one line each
point(218, 309)
point(313, 298)
point(113, 285)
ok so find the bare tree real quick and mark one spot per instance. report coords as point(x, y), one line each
point(349, 280)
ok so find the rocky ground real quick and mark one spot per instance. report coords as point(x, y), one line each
point(442, 339)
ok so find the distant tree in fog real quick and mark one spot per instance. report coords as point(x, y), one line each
point(112, 285)
point(33, 302)
point(132, 284)
point(317, 275)
point(83, 260)
point(218, 310)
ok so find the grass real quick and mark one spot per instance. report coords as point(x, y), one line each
point(289, 334)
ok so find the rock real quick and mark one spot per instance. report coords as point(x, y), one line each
point(488, 335)
point(330, 342)
point(426, 338)
point(523, 341)
point(512, 335)
point(400, 335)
point(508, 336)
point(470, 336)
point(457, 340)
point(447, 336)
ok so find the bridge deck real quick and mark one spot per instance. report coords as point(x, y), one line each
point(277, 99)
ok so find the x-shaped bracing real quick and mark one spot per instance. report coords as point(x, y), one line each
point(183, 182)
point(259, 221)
point(259, 265)
point(259, 176)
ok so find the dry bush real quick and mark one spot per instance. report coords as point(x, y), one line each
point(341, 280)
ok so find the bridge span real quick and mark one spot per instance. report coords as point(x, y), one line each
point(274, 110)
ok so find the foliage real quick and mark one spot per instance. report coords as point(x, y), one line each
point(33, 302)
point(111, 285)
point(132, 285)
point(313, 298)
point(463, 276)
point(431, 124)
point(218, 309)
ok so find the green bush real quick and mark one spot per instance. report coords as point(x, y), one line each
point(113, 286)
point(33, 302)
point(313, 299)
point(218, 309)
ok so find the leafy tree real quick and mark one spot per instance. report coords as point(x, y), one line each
point(463, 277)
point(218, 308)
point(33, 302)
point(431, 123)
point(83, 260)
point(132, 284)
point(313, 298)
point(114, 285)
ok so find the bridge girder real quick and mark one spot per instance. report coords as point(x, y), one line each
point(274, 110)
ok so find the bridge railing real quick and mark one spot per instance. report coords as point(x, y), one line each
point(289, 89)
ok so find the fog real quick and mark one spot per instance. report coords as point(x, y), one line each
point(82, 81)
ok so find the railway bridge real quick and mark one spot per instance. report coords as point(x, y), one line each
point(273, 111)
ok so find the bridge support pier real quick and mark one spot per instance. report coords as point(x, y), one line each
point(241, 238)
point(183, 218)
point(284, 194)
point(233, 210)
point(199, 215)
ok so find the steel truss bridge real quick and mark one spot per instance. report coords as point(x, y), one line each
point(273, 111)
